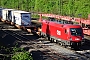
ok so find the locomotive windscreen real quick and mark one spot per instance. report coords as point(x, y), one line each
point(76, 31)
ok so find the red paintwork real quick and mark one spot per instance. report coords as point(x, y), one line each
point(52, 28)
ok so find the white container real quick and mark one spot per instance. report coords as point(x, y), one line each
point(6, 14)
point(21, 18)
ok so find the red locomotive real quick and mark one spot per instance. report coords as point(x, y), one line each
point(65, 34)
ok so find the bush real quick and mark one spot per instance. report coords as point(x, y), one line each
point(21, 56)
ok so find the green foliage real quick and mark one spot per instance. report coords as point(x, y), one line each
point(14, 53)
point(35, 16)
point(15, 49)
point(22, 56)
point(62, 7)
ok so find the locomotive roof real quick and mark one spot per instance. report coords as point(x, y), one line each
point(71, 26)
point(63, 25)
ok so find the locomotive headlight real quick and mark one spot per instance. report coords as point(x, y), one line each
point(77, 39)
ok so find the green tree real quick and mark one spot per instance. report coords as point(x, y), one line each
point(62, 7)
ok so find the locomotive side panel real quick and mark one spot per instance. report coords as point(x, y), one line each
point(55, 30)
point(58, 32)
point(44, 27)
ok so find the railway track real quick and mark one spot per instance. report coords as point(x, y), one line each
point(83, 51)
point(14, 34)
point(46, 50)
point(76, 54)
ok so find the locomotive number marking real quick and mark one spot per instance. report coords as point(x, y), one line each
point(58, 32)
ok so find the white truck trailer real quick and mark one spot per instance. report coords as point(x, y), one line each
point(7, 15)
point(21, 18)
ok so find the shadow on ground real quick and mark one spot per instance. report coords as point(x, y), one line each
point(9, 40)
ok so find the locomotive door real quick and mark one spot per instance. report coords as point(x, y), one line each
point(47, 28)
point(66, 36)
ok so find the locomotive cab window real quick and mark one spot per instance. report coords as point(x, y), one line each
point(76, 31)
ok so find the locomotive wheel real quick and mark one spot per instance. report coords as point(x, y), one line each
point(48, 38)
point(52, 40)
point(79, 44)
point(41, 35)
point(60, 43)
point(74, 45)
point(57, 41)
point(65, 45)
